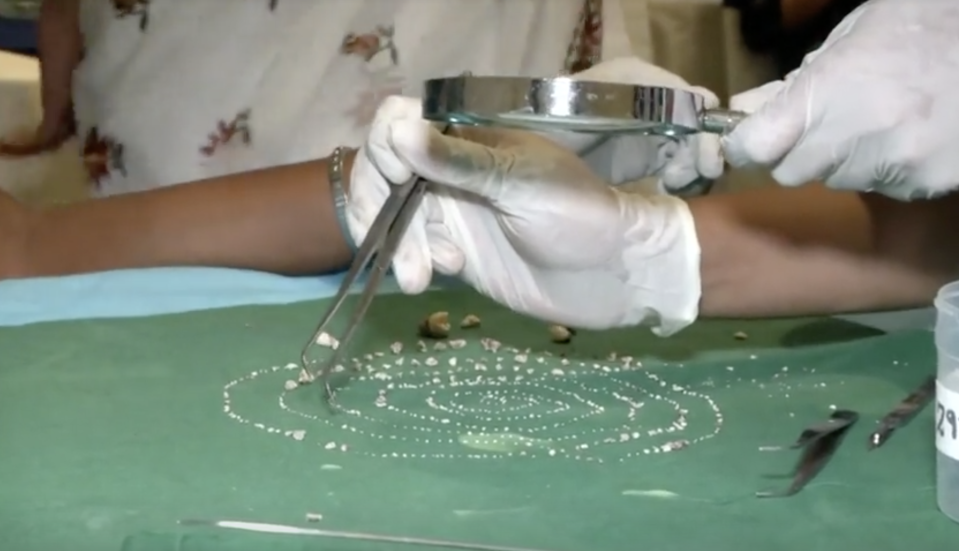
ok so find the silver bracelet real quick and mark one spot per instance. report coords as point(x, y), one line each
point(340, 200)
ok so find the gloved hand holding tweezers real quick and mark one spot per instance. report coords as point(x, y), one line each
point(516, 216)
point(487, 215)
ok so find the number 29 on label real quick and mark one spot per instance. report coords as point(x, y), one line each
point(947, 421)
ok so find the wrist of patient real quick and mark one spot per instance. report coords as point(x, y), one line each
point(661, 262)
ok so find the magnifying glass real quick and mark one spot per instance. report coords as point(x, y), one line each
point(568, 104)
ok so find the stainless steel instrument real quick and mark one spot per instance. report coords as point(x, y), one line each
point(903, 412)
point(289, 530)
point(564, 103)
point(818, 443)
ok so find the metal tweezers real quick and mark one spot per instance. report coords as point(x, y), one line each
point(818, 442)
point(903, 412)
point(379, 247)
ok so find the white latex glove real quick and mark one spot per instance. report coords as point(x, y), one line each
point(527, 223)
point(677, 163)
point(875, 108)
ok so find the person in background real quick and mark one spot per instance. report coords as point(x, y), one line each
point(59, 47)
point(787, 30)
point(227, 119)
point(157, 98)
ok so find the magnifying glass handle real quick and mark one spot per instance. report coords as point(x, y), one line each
point(720, 121)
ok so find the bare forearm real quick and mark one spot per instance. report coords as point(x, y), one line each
point(60, 47)
point(778, 252)
point(277, 220)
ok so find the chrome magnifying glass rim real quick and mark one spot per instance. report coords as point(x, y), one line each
point(563, 103)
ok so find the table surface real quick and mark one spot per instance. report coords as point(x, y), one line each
point(112, 430)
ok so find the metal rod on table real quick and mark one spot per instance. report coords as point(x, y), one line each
point(268, 528)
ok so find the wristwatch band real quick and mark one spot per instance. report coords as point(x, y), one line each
point(340, 200)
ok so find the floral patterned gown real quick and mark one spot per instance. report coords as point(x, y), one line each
point(172, 91)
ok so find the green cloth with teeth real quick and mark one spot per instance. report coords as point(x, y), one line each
point(112, 430)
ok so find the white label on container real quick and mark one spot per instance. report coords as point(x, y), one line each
point(947, 421)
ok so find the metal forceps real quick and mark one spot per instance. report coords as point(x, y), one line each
point(379, 247)
point(819, 442)
point(903, 412)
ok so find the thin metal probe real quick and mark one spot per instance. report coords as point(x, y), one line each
point(340, 534)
